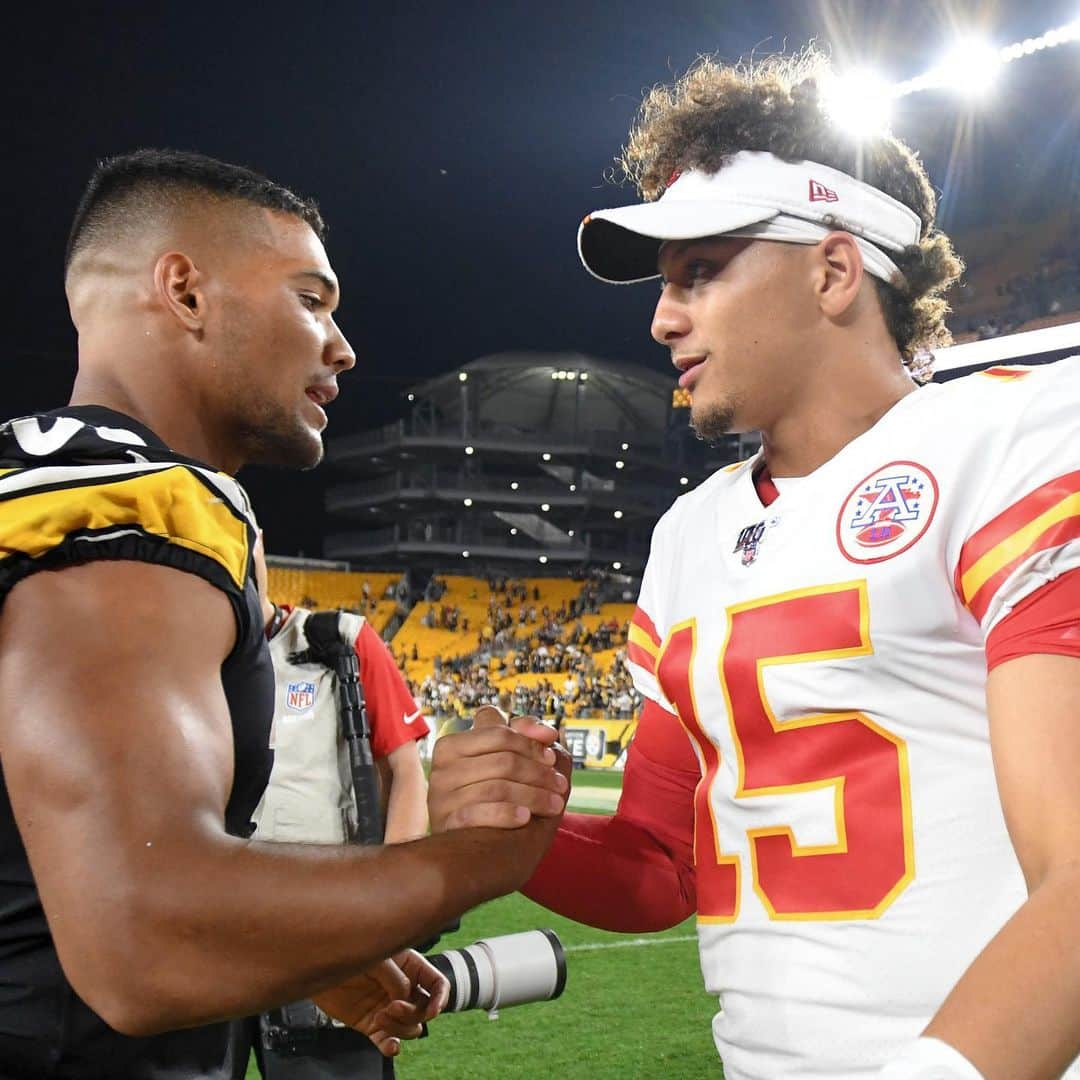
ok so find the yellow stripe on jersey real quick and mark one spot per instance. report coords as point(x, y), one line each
point(639, 637)
point(1016, 544)
point(171, 503)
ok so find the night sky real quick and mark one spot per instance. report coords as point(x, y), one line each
point(453, 148)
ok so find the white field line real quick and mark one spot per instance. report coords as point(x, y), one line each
point(594, 798)
point(629, 943)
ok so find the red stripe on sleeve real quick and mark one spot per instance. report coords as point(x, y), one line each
point(643, 622)
point(1015, 517)
point(631, 872)
point(1060, 533)
point(1047, 621)
point(637, 655)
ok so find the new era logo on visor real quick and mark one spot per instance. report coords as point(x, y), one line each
point(820, 193)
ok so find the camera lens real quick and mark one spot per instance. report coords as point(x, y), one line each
point(496, 973)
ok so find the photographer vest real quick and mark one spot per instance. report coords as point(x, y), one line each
point(309, 796)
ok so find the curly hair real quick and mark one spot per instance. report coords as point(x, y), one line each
point(776, 105)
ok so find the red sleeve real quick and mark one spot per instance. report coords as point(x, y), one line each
point(1047, 621)
point(632, 872)
point(394, 717)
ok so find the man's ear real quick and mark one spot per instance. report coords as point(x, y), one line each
point(840, 274)
point(179, 287)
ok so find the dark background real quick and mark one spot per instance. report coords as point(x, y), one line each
point(453, 148)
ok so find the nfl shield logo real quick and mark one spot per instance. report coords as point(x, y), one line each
point(749, 542)
point(300, 696)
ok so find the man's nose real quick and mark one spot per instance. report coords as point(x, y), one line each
point(339, 353)
point(670, 319)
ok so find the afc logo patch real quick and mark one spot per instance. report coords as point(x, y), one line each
point(887, 512)
point(300, 696)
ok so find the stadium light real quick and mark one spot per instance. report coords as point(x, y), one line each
point(569, 532)
point(545, 507)
point(469, 450)
point(513, 532)
point(543, 558)
point(616, 566)
point(463, 376)
point(464, 554)
point(554, 376)
point(971, 68)
point(626, 446)
point(620, 464)
point(546, 456)
point(617, 514)
point(584, 375)
point(973, 64)
point(684, 480)
point(858, 102)
point(573, 487)
point(412, 397)
point(467, 502)
point(513, 485)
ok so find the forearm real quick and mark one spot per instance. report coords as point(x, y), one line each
point(1015, 1014)
point(268, 923)
point(612, 873)
point(406, 811)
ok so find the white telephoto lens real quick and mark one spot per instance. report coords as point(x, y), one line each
point(498, 972)
point(530, 966)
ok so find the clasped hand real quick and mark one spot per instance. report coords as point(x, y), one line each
point(497, 775)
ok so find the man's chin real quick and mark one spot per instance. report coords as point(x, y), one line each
point(713, 421)
point(298, 450)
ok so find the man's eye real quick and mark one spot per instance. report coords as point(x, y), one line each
point(311, 301)
point(699, 270)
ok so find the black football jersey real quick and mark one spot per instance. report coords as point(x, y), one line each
point(80, 484)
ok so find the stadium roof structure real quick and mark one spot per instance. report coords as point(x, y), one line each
point(540, 392)
point(516, 457)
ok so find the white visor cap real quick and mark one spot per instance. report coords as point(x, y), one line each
point(621, 245)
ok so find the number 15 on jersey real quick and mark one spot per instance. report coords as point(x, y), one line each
point(845, 752)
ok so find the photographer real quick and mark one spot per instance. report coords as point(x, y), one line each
point(309, 799)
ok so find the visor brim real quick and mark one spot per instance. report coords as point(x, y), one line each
point(620, 246)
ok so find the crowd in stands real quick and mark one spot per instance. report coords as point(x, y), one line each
point(1049, 288)
point(520, 638)
point(504, 625)
point(458, 687)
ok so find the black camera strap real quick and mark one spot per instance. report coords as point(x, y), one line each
point(326, 647)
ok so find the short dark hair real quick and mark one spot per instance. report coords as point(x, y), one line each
point(775, 105)
point(146, 179)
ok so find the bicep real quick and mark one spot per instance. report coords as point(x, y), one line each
point(1034, 709)
point(119, 749)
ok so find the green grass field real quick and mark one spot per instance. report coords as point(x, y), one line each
point(634, 1007)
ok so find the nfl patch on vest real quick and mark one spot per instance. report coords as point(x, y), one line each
point(300, 696)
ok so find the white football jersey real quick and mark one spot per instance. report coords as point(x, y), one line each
point(826, 655)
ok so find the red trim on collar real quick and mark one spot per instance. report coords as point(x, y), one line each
point(766, 490)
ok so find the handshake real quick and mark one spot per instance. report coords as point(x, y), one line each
point(507, 783)
point(509, 776)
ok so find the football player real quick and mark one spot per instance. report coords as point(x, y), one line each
point(860, 650)
point(135, 913)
